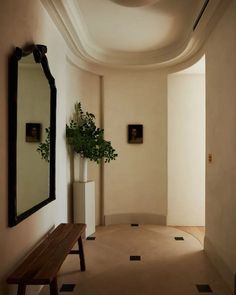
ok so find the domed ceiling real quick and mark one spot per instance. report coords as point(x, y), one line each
point(135, 33)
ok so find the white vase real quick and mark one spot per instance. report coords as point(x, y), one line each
point(83, 169)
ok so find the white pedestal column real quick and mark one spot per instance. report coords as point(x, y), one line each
point(83, 169)
point(84, 205)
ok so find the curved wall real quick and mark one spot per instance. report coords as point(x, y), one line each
point(135, 184)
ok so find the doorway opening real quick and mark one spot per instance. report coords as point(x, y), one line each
point(186, 147)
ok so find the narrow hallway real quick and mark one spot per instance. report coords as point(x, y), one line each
point(167, 265)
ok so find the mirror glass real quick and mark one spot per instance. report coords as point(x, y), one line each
point(33, 116)
point(32, 111)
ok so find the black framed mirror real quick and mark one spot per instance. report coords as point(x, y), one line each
point(31, 112)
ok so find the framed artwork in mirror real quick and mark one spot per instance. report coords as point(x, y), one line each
point(32, 98)
point(32, 132)
point(135, 133)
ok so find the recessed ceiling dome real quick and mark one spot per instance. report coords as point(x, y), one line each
point(135, 33)
point(134, 3)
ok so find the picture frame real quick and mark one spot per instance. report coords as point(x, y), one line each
point(135, 133)
point(32, 132)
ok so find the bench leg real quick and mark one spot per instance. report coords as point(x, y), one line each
point(81, 255)
point(53, 287)
point(21, 289)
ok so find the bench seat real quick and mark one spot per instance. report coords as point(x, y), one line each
point(42, 265)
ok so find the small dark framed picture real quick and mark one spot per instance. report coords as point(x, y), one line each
point(135, 133)
point(33, 132)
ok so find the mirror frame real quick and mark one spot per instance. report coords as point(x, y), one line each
point(39, 53)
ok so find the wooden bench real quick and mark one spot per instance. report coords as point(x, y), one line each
point(42, 265)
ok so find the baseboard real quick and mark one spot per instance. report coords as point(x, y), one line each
point(140, 218)
point(224, 270)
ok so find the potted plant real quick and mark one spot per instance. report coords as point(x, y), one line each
point(87, 140)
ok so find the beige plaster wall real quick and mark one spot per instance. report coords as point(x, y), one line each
point(220, 241)
point(84, 87)
point(135, 183)
point(24, 22)
point(186, 149)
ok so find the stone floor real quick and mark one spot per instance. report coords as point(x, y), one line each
point(166, 267)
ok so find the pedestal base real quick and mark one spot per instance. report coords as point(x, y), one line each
point(84, 205)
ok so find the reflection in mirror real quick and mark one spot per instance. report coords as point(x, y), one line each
point(33, 116)
point(32, 109)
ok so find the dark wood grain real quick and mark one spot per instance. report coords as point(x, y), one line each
point(81, 254)
point(21, 289)
point(42, 265)
point(53, 287)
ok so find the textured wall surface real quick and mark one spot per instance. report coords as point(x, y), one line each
point(136, 182)
point(220, 241)
point(186, 149)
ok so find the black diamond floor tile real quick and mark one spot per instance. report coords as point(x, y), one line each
point(203, 288)
point(179, 238)
point(134, 224)
point(135, 258)
point(91, 238)
point(67, 288)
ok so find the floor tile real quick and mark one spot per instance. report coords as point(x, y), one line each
point(167, 267)
point(135, 258)
point(67, 288)
point(203, 288)
point(179, 238)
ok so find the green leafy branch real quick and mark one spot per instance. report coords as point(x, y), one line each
point(44, 147)
point(88, 140)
